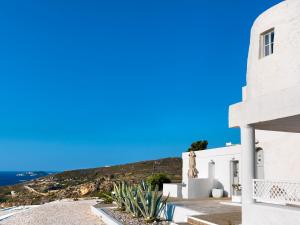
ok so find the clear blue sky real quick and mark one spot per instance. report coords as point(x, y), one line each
point(91, 83)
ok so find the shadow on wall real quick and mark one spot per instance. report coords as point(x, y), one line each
point(219, 185)
point(211, 170)
point(211, 176)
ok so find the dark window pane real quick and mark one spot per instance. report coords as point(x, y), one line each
point(272, 37)
point(272, 48)
point(267, 52)
point(266, 39)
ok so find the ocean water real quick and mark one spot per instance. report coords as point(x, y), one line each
point(15, 177)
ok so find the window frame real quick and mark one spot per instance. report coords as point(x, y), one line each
point(267, 47)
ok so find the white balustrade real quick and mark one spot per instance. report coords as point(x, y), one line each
point(276, 192)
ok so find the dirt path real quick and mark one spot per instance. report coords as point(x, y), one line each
point(30, 189)
point(65, 212)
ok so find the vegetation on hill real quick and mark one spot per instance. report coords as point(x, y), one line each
point(87, 182)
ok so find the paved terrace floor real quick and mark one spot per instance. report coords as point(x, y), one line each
point(214, 210)
point(65, 212)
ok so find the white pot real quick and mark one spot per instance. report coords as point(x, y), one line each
point(217, 193)
point(236, 198)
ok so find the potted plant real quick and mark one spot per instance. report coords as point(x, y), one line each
point(217, 193)
point(237, 193)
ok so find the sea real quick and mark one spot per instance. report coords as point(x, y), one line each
point(15, 177)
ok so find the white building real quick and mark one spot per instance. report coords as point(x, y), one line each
point(269, 119)
point(218, 168)
point(270, 113)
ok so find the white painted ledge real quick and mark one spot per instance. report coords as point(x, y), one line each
point(15, 210)
point(107, 219)
point(232, 203)
point(6, 216)
point(178, 214)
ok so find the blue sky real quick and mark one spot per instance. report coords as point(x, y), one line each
point(92, 83)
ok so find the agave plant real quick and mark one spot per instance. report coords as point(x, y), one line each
point(139, 200)
point(131, 200)
point(118, 195)
point(150, 203)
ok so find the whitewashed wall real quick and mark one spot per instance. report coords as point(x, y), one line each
point(281, 69)
point(222, 158)
point(281, 154)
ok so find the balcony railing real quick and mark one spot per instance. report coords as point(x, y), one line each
point(276, 192)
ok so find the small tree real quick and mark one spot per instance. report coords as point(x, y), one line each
point(198, 146)
point(158, 180)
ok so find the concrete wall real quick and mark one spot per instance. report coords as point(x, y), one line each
point(221, 157)
point(172, 190)
point(271, 102)
point(198, 188)
point(263, 214)
point(273, 81)
point(177, 213)
point(281, 69)
point(281, 154)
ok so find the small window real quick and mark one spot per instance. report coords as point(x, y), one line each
point(267, 43)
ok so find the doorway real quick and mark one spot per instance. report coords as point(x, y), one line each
point(234, 174)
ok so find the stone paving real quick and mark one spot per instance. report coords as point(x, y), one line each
point(65, 212)
point(218, 211)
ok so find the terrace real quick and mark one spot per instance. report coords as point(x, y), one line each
point(204, 211)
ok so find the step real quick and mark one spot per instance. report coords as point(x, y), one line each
point(233, 218)
point(178, 213)
point(198, 221)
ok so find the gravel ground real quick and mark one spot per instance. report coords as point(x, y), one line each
point(126, 219)
point(65, 212)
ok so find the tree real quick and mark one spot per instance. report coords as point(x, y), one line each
point(158, 180)
point(198, 146)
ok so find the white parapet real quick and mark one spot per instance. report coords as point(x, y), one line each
point(276, 192)
point(172, 190)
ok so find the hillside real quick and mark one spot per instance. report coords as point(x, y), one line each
point(86, 182)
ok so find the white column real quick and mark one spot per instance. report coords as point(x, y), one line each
point(248, 162)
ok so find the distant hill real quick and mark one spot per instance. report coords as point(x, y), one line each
point(86, 182)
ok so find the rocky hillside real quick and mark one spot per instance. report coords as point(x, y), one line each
point(86, 182)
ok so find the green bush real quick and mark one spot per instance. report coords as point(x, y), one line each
point(3, 199)
point(105, 196)
point(158, 180)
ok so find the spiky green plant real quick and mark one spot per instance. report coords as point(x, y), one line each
point(131, 200)
point(118, 195)
point(150, 203)
point(139, 200)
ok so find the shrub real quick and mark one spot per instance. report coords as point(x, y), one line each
point(105, 196)
point(158, 180)
point(3, 199)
